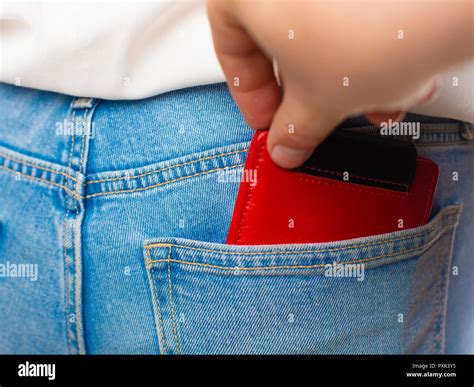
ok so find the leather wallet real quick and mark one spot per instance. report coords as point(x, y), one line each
point(353, 185)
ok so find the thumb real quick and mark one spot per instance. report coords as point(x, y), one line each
point(296, 131)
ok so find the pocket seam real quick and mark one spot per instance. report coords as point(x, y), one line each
point(455, 210)
point(420, 248)
point(173, 314)
point(156, 308)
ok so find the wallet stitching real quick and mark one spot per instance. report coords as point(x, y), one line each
point(330, 171)
point(249, 197)
point(315, 180)
point(422, 248)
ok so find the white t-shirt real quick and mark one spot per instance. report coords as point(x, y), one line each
point(132, 50)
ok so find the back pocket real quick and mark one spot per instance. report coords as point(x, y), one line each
point(378, 294)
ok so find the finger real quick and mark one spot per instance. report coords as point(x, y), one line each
point(296, 131)
point(377, 118)
point(249, 73)
point(431, 95)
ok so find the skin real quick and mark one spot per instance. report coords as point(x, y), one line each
point(334, 41)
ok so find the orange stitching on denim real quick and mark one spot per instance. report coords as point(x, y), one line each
point(163, 183)
point(432, 187)
point(422, 248)
point(173, 317)
point(66, 232)
point(156, 306)
point(77, 273)
point(4, 155)
point(345, 248)
point(123, 191)
point(166, 168)
point(40, 179)
point(83, 146)
point(446, 281)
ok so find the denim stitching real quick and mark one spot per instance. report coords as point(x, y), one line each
point(8, 157)
point(163, 183)
point(292, 252)
point(428, 204)
point(438, 314)
point(443, 290)
point(83, 142)
point(421, 248)
point(350, 247)
point(440, 144)
point(66, 231)
point(42, 180)
point(123, 191)
point(156, 311)
point(166, 168)
point(173, 317)
point(77, 282)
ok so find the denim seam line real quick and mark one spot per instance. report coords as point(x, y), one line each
point(46, 169)
point(173, 314)
point(445, 293)
point(156, 305)
point(78, 255)
point(65, 255)
point(449, 213)
point(128, 177)
point(421, 248)
point(72, 230)
point(164, 182)
point(41, 180)
point(30, 170)
point(79, 197)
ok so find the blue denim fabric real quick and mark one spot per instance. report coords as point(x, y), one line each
point(126, 221)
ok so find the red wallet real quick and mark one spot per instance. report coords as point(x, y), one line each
point(353, 186)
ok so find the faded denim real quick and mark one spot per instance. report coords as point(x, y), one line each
point(126, 220)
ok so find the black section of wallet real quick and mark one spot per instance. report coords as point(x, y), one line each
point(364, 159)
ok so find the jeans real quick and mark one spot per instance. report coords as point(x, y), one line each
point(113, 220)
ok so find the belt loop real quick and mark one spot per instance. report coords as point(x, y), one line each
point(82, 103)
point(466, 131)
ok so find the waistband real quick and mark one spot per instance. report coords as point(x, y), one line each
point(91, 148)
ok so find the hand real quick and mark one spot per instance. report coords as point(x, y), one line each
point(335, 59)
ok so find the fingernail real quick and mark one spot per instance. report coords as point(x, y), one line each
point(287, 157)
